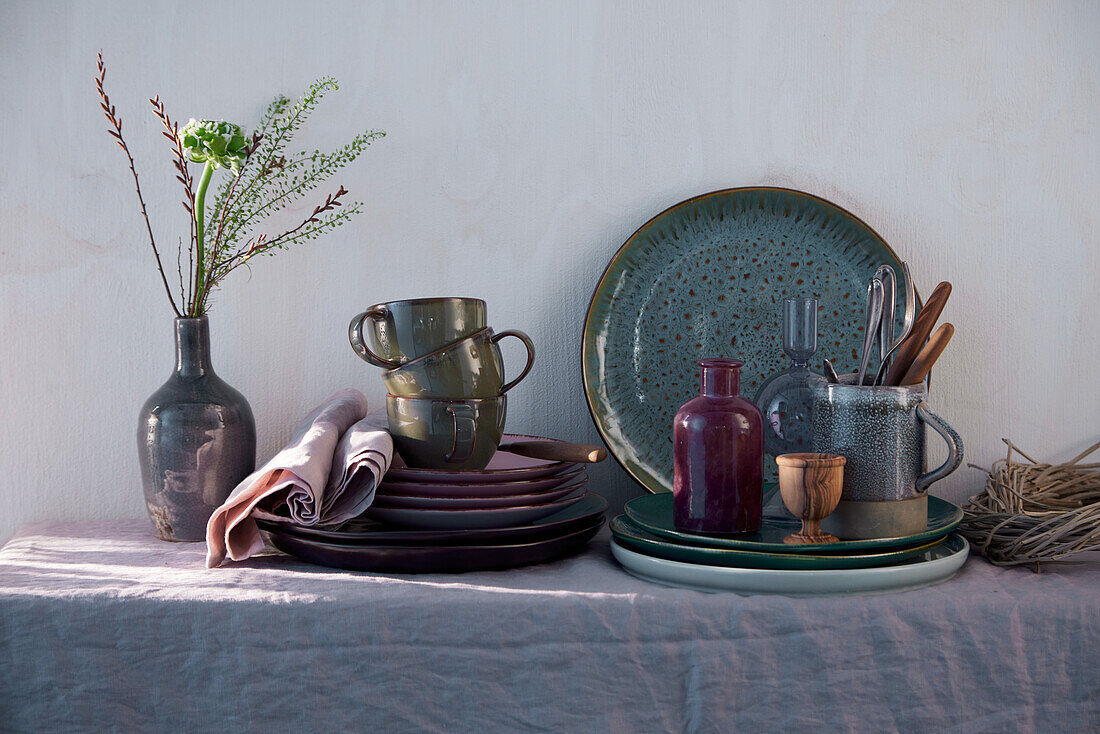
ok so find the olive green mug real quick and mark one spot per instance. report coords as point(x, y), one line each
point(433, 433)
point(400, 331)
point(468, 368)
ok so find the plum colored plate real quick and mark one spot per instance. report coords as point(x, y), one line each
point(497, 517)
point(632, 536)
point(707, 278)
point(362, 531)
point(503, 467)
point(482, 489)
point(653, 512)
point(937, 564)
point(385, 499)
point(436, 558)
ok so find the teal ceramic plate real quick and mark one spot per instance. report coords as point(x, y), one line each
point(938, 564)
point(707, 278)
point(634, 537)
point(653, 512)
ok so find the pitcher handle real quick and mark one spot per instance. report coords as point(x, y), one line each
point(359, 345)
point(530, 355)
point(465, 431)
point(954, 447)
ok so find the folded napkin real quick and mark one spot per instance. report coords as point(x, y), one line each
point(325, 475)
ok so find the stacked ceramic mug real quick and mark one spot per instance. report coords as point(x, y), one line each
point(444, 373)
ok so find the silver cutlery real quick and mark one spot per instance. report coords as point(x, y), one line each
point(889, 280)
point(907, 324)
point(874, 317)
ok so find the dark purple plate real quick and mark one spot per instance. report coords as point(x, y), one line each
point(481, 489)
point(503, 467)
point(362, 531)
point(387, 499)
point(484, 518)
point(434, 558)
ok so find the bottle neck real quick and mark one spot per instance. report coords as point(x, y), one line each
point(193, 347)
point(719, 382)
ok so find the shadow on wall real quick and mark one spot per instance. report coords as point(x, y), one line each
point(560, 332)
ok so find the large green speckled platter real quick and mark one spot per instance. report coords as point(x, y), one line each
point(707, 278)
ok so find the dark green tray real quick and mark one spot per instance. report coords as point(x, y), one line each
point(635, 538)
point(653, 513)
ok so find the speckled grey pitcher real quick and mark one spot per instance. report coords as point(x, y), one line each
point(880, 430)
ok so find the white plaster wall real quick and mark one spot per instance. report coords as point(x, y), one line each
point(526, 142)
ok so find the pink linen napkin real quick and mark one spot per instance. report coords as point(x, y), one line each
point(326, 474)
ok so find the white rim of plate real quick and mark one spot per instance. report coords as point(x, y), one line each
point(789, 582)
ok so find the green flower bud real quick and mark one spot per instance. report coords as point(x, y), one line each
point(218, 142)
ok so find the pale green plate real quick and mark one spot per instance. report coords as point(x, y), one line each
point(633, 536)
point(653, 512)
point(938, 564)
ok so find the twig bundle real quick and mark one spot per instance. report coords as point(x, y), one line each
point(1033, 512)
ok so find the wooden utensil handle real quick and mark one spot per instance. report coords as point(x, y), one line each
point(922, 327)
point(555, 451)
point(928, 356)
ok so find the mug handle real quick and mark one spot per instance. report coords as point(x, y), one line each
point(954, 447)
point(530, 355)
point(359, 345)
point(465, 429)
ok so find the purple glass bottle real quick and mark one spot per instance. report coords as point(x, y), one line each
point(718, 455)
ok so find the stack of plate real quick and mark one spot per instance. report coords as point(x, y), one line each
point(517, 511)
point(649, 546)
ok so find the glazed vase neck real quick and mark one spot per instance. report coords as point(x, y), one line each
point(719, 381)
point(193, 347)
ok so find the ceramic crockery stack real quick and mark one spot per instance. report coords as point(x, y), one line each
point(510, 490)
point(445, 378)
point(516, 511)
point(647, 543)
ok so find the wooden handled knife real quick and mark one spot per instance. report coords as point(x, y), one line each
point(928, 356)
point(922, 327)
point(555, 451)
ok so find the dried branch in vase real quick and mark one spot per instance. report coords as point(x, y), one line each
point(264, 181)
point(171, 131)
point(116, 123)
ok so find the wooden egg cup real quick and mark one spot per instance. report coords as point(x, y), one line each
point(810, 485)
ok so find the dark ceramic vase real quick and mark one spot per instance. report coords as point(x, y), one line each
point(718, 455)
point(196, 440)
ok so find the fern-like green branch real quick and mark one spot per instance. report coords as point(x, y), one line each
point(268, 181)
point(264, 181)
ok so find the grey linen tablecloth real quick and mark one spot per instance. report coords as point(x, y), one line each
point(104, 628)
